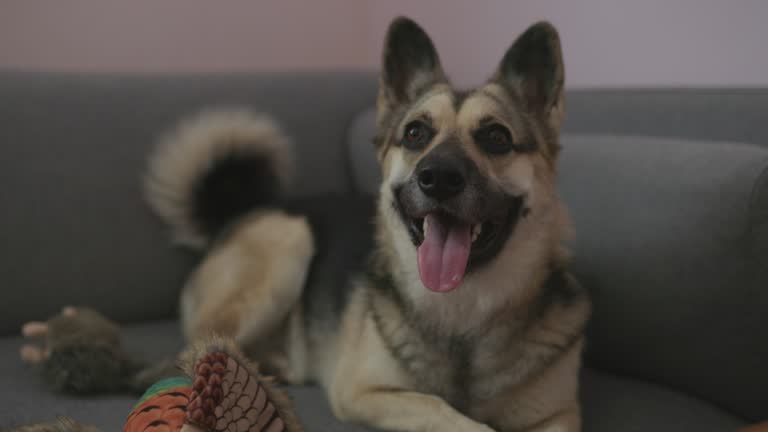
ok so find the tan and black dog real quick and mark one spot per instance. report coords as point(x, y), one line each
point(466, 319)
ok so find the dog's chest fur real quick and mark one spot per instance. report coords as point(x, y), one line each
point(458, 367)
point(468, 368)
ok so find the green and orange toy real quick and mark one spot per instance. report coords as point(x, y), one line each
point(222, 392)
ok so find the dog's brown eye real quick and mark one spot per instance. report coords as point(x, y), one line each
point(494, 139)
point(416, 136)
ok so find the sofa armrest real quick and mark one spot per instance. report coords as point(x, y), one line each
point(672, 237)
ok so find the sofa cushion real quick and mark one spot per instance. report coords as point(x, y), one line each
point(611, 403)
point(614, 403)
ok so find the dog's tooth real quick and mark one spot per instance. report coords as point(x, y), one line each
point(425, 226)
point(475, 232)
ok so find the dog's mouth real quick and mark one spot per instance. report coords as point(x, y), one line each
point(448, 247)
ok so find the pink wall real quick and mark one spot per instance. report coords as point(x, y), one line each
point(606, 42)
point(181, 35)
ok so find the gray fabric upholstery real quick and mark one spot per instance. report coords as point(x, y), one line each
point(74, 228)
point(610, 403)
point(668, 239)
point(715, 114)
point(613, 403)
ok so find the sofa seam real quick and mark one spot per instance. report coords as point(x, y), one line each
point(752, 210)
point(354, 188)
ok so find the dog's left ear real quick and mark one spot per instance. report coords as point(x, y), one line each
point(533, 66)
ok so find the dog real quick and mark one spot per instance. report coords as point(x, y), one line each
point(465, 317)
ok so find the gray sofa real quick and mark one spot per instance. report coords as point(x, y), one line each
point(668, 190)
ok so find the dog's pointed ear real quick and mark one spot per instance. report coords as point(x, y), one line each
point(409, 64)
point(533, 66)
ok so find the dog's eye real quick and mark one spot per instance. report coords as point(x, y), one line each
point(494, 139)
point(417, 135)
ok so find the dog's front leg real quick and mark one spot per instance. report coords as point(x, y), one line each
point(405, 411)
point(568, 420)
point(368, 385)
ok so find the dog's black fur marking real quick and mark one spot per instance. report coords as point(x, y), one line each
point(235, 184)
point(459, 97)
point(462, 353)
point(560, 288)
point(478, 259)
point(342, 228)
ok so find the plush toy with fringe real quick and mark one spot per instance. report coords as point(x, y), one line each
point(221, 392)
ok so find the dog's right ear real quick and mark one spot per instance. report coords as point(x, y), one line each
point(409, 65)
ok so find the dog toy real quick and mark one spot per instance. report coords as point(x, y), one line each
point(81, 353)
point(220, 390)
point(163, 405)
point(759, 427)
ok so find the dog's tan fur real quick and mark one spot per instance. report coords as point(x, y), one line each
point(500, 352)
point(253, 274)
point(250, 280)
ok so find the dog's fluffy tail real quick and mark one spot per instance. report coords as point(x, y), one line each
point(215, 168)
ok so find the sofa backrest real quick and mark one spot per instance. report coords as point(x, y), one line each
point(709, 114)
point(73, 225)
point(672, 240)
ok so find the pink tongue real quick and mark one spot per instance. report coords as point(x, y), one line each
point(443, 254)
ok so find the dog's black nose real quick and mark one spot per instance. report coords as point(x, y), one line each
point(441, 179)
